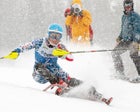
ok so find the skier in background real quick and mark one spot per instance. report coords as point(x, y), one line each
point(46, 68)
point(69, 31)
point(128, 39)
point(78, 23)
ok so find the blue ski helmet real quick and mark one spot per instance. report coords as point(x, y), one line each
point(55, 28)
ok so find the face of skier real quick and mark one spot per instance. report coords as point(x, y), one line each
point(54, 38)
point(128, 6)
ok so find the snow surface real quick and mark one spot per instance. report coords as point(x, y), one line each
point(19, 92)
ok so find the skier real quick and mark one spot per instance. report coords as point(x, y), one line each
point(128, 39)
point(69, 31)
point(78, 22)
point(46, 68)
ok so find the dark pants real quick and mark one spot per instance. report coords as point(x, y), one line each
point(42, 75)
point(121, 48)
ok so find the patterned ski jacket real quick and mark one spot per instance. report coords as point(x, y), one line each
point(43, 55)
point(130, 28)
point(43, 52)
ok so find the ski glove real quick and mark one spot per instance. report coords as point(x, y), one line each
point(136, 45)
point(118, 40)
point(68, 57)
point(17, 50)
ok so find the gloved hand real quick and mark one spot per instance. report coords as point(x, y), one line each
point(136, 45)
point(118, 40)
point(68, 57)
point(17, 50)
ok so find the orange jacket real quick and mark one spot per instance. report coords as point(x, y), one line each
point(80, 26)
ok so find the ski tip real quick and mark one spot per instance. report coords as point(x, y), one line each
point(109, 100)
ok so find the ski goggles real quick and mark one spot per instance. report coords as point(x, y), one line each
point(128, 4)
point(54, 35)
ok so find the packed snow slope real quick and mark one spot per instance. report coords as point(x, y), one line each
point(19, 92)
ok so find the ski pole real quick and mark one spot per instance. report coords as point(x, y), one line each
point(96, 51)
point(61, 52)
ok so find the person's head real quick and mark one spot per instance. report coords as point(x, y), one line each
point(67, 12)
point(76, 7)
point(54, 34)
point(128, 6)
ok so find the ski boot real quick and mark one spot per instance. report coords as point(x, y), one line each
point(107, 101)
point(59, 91)
point(62, 88)
point(135, 80)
